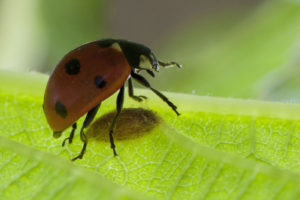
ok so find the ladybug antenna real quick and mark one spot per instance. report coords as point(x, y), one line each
point(169, 64)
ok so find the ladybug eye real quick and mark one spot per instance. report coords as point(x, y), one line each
point(155, 64)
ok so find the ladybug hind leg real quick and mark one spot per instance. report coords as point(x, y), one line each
point(88, 119)
point(120, 101)
point(131, 94)
point(145, 83)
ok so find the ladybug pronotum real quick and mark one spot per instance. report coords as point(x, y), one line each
point(91, 73)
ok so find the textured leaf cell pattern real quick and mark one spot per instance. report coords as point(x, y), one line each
point(200, 155)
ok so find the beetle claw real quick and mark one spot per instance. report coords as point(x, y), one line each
point(78, 157)
point(64, 142)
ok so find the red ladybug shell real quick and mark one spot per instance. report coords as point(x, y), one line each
point(82, 79)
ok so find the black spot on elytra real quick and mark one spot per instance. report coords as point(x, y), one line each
point(99, 82)
point(60, 109)
point(72, 67)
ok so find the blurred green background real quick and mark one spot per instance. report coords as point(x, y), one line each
point(241, 49)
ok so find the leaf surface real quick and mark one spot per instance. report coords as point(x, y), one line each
point(216, 149)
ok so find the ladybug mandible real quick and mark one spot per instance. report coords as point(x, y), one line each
point(91, 73)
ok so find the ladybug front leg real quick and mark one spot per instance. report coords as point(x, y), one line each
point(130, 92)
point(144, 82)
point(120, 101)
point(88, 119)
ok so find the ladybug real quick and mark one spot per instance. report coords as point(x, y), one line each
point(91, 73)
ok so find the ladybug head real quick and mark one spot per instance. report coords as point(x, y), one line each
point(141, 57)
point(148, 61)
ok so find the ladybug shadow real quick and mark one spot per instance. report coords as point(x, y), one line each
point(132, 123)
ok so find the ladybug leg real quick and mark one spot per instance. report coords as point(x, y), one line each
point(150, 72)
point(120, 100)
point(70, 138)
point(88, 119)
point(130, 92)
point(144, 82)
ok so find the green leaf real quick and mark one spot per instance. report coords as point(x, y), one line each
point(27, 173)
point(216, 149)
